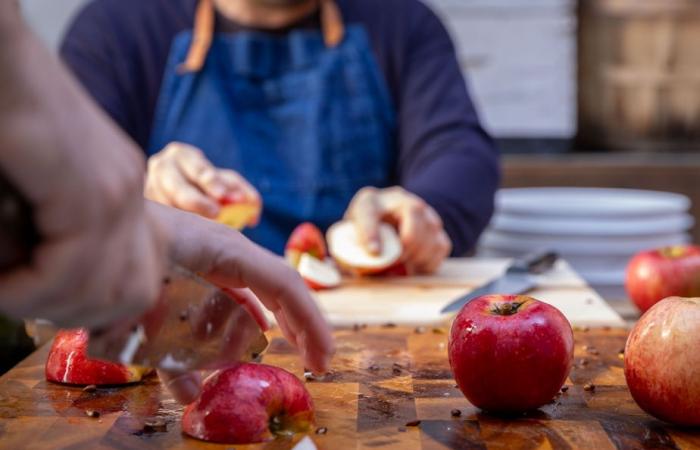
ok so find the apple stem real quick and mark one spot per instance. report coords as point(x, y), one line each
point(507, 309)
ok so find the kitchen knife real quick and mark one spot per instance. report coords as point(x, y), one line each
point(516, 280)
point(185, 329)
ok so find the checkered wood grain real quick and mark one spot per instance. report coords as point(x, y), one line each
point(382, 379)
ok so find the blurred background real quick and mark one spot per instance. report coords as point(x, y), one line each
point(594, 93)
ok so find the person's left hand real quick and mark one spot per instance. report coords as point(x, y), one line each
point(250, 275)
point(425, 242)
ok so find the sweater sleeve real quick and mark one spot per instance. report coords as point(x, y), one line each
point(445, 156)
point(91, 53)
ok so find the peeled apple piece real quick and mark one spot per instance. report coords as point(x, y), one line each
point(318, 274)
point(239, 215)
point(344, 245)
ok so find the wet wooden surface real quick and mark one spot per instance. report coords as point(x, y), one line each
point(383, 377)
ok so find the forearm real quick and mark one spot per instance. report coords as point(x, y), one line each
point(48, 124)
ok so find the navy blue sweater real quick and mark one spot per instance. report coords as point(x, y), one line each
point(118, 50)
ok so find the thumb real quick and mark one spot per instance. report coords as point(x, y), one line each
point(366, 218)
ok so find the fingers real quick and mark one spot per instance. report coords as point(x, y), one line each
point(181, 176)
point(168, 184)
point(366, 213)
point(425, 243)
point(238, 189)
point(251, 304)
point(198, 170)
point(229, 260)
point(184, 386)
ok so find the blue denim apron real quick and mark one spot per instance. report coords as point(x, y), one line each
point(308, 125)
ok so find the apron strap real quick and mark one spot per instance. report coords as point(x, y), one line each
point(331, 24)
point(201, 38)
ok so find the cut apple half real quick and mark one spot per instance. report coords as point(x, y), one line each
point(318, 274)
point(344, 245)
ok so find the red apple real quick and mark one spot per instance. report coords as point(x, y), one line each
point(510, 353)
point(345, 247)
point(239, 214)
point(68, 363)
point(665, 272)
point(662, 364)
point(306, 238)
point(249, 403)
point(318, 274)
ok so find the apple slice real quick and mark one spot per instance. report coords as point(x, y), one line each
point(306, 238)
point(249, 403)
point(239, 215)
point(68, 363)
point(345, 247)
point(318, 274)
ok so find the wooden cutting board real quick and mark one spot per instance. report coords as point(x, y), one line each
point(361, 407)
point(418, 300)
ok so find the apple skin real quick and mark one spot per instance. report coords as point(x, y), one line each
point(249, 403)
point(68, 363)
point(656, 274)
point(306, 238)
point(662, 362)
point(510, 363)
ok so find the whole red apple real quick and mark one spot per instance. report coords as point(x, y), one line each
point(68, 363)
point(306, 238)
point(662, 362)
point(249, 403)
point(510, 353)
point(656, 274)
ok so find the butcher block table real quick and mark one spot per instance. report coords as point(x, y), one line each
point(390, 387)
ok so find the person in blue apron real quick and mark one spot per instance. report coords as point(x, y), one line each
point(319, 109)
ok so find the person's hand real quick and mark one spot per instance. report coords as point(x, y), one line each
point(229, 260)
point(181, 176)
point(101, 256)
point(425, 243)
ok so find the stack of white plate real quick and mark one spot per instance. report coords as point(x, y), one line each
point(596, 230)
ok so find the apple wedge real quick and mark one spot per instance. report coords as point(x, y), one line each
point(69, 363)
point(344, 246)
point(239, 215)
point(318, 274)
point(306, 238)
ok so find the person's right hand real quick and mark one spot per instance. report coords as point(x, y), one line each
point(100, 256)
point(248, 272)
point(181, 176)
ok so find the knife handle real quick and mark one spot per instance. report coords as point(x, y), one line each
point(535, 262)
point(18, 235)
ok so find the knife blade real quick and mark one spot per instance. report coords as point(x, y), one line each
point(516, 280)
point(183, 331)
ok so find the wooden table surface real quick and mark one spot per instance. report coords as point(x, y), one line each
point(361, 407)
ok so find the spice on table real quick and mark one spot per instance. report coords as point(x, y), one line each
point(438, 331)
point(155, 425)
point(590, 387)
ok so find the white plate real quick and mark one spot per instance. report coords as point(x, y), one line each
point(589, 202)
point(514, 244)
point(602, 226)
